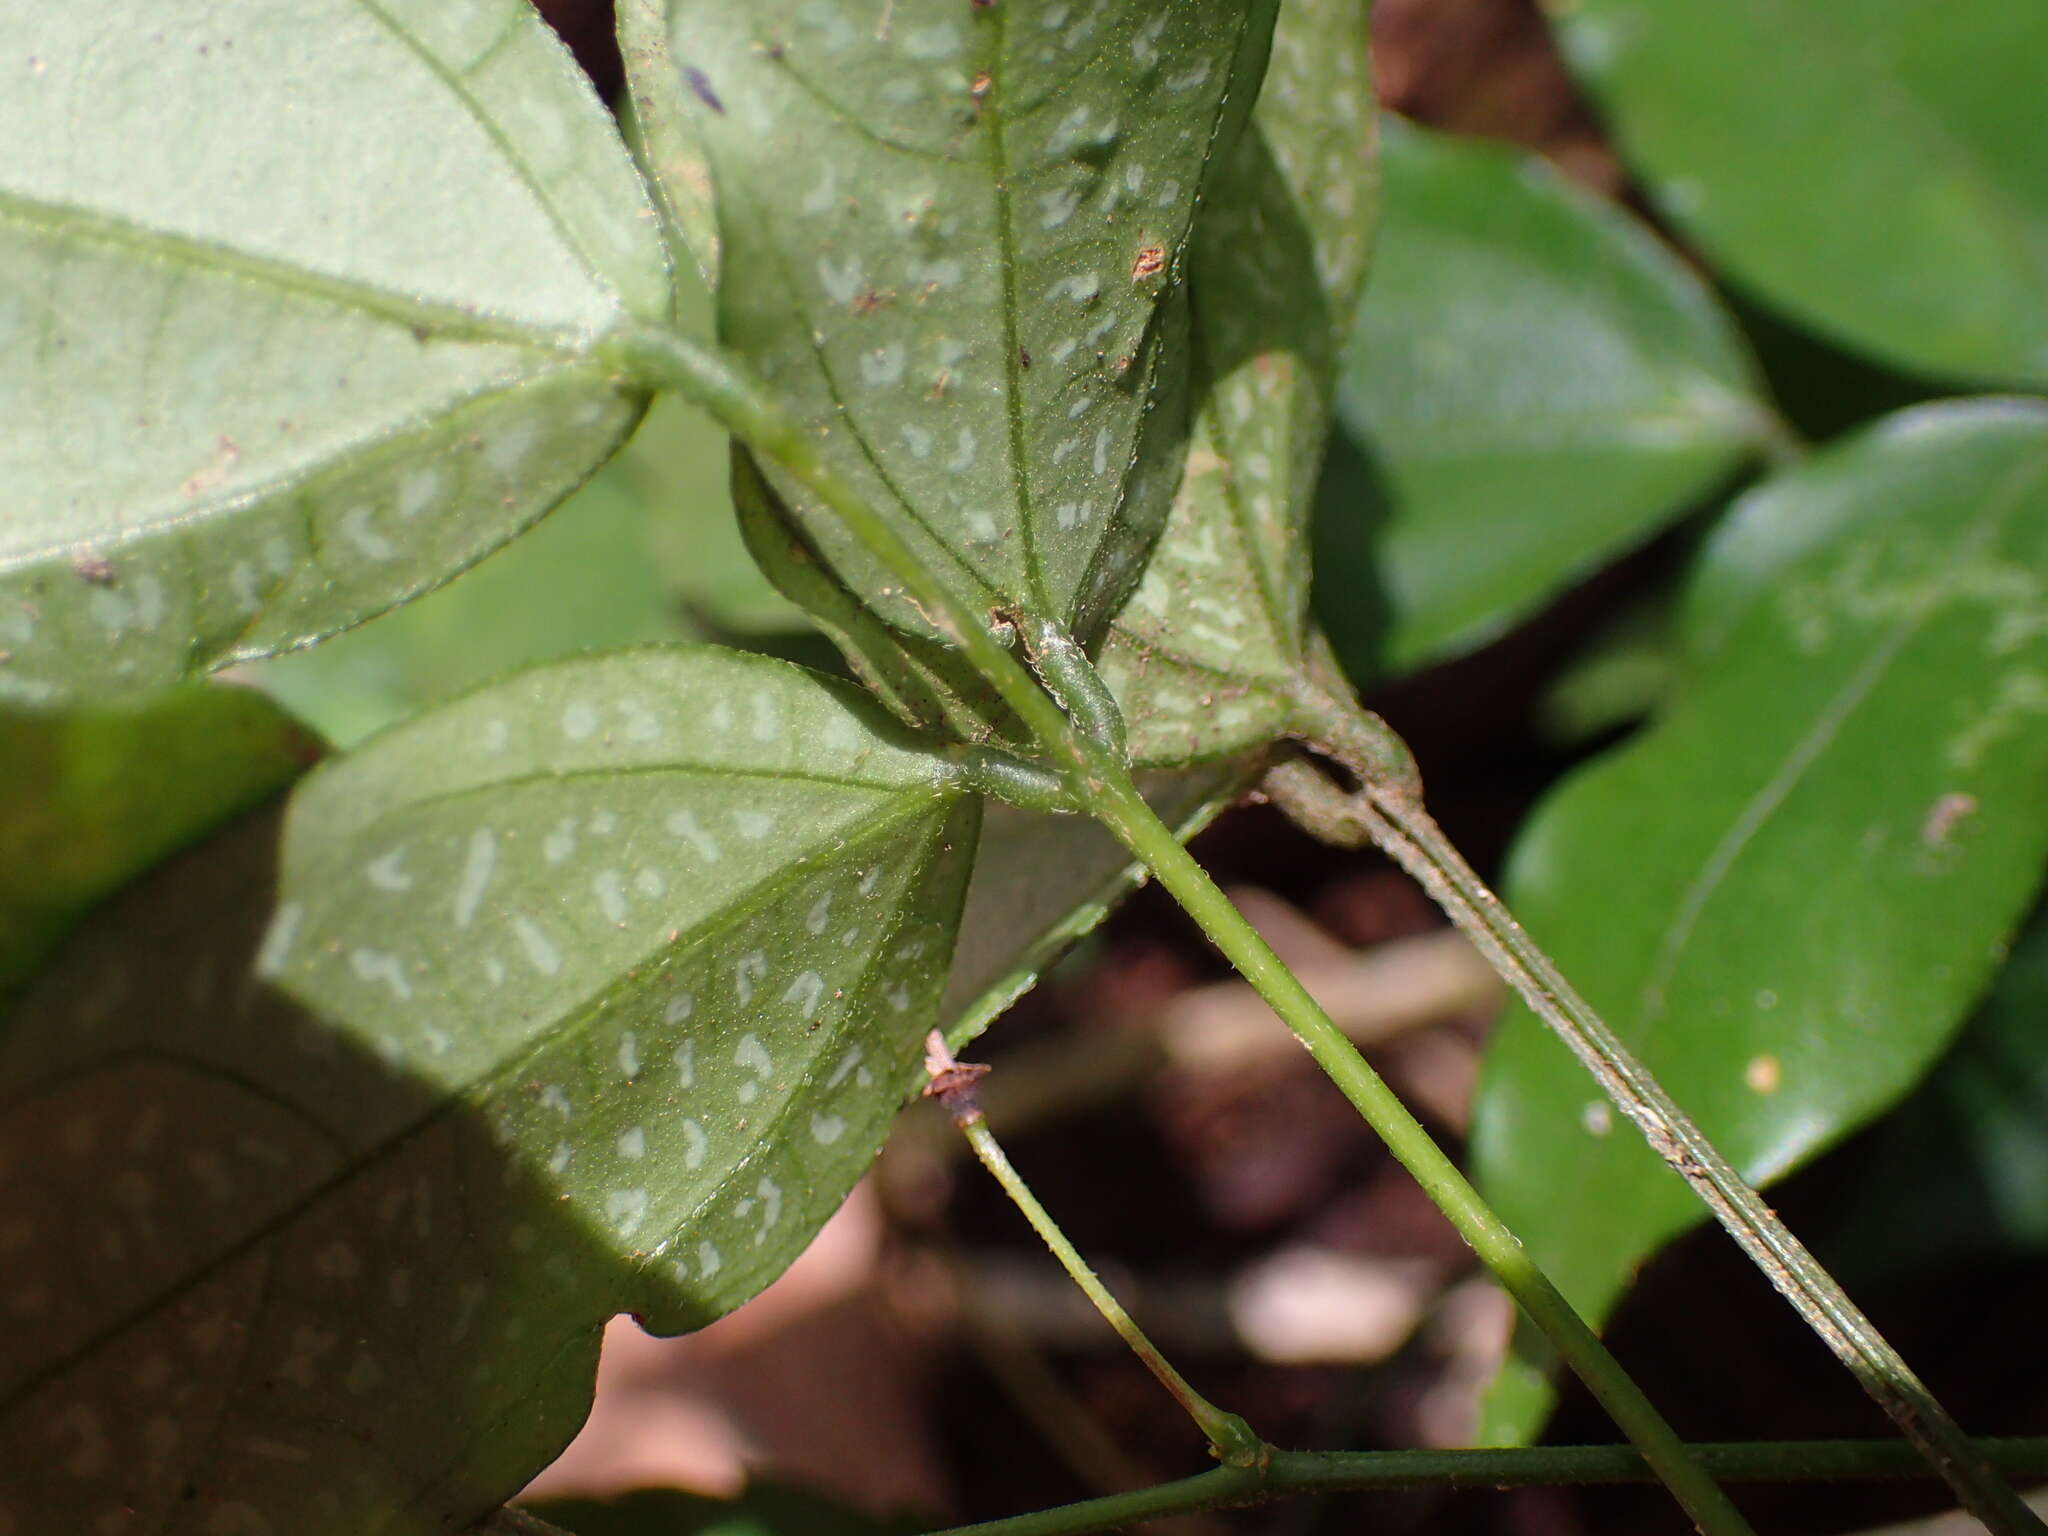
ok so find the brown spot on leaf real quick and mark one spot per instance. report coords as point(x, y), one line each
point(93, 568)
point(1151, 260)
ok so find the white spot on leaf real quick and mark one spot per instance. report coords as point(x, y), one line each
point(539, 949)
point(477, 867)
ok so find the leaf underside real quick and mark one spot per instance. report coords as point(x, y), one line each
point(258, 386)
point(1209, 652)
point(1786, 934)
point(594, 991)
point(953, 243)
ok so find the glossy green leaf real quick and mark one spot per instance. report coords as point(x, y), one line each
point(289, 333)
point(1876, 168)
point(1535, 386)
point(1959, 1171)
point(1787, 894)
point(593, 991)
point(90, 798)
point(1211, 647)
point(951, 240)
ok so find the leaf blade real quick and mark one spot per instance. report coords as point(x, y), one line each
point(265, 389)
point(1785, 937)
point(1535, 386)
point(1735, 116)
point(1206, 656)
point(984, 253)
point(609, 1011)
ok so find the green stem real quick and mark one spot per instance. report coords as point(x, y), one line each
point(1394, 818)
point(1118, 805)
point(1229, 1436)
point(714, 380)
point(1309, 1472)
point(1102, 782)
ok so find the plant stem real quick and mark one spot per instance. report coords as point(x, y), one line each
point(1394, 818)
point(1305, 1472)
point(711, 378)
point(1118, 805)
point(1101, 781)
point(1229, 1436)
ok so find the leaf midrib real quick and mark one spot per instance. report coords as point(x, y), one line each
point(69, 221)
point(457, 86)
point(925, 790)
point(997, 108)
point(1649, 996)
point(466, 1098)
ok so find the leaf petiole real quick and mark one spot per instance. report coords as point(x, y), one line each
point(1232, 1441)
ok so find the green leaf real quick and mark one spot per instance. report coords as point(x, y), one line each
point(1788, 893)
point(952, 239)
point(1873, 167)
point(593, 991)
point(647, 550)
point(1536, 385)
point(1211, 648)
point(585, 577)
point(1962, 1165)
point(90, 798)
point(289, 334)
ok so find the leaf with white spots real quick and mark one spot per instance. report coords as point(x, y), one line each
point(951, 240)
point(325, 1155)
point(1786, 894)
point(289, 334)
point(1214, 641)
point(90, 798)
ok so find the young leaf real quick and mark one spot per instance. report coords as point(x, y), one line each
point(1875, 169)
point(90, 798)
point(594, 991)
point(1787, 894)
point(1207, 654)
point(289, 334)
point(951, 240)
point(1535, 386)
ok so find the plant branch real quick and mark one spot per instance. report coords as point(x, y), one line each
point(1118, 805)
point(1101, 781)
point(1391, 815)
point(1292, 1473)
point(952, 1084)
